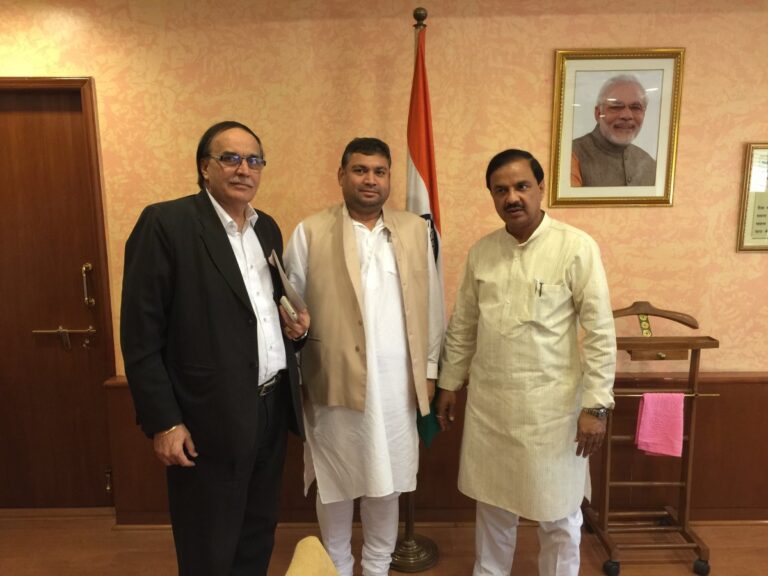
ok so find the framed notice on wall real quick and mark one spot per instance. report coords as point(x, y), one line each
point(753, 231)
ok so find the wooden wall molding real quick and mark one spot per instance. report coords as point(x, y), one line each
point(728, 482)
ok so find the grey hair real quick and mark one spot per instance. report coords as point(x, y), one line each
point(617, 80)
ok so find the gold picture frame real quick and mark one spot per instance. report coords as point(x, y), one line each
point(622, 155)
point(753, 231)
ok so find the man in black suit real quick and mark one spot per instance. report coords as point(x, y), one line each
point(211, 368)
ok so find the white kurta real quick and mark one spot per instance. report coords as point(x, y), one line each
point(375, 452)
point(514, 331)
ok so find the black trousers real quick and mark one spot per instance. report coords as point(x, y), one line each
point(224, 514)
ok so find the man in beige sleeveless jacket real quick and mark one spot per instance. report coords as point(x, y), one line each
point(370, 360)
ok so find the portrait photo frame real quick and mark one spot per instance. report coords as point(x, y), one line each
point(618, 160)
point(753, 229)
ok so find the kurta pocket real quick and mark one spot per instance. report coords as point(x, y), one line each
point(549, 303)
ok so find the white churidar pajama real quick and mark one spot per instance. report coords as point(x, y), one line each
point(379, 518)
point(496, 537)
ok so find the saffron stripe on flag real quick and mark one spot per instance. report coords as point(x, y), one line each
point(421, 191)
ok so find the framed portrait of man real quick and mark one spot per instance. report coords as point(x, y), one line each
point(615, 123)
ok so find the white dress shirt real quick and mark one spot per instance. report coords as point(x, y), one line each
point(258, 282)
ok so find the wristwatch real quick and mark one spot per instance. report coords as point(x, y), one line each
point(599, 412)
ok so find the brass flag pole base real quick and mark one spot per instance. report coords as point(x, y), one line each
point(413, 553)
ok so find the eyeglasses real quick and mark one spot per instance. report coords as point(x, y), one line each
point(234, 160)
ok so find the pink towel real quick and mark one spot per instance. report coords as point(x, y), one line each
point(660, 424)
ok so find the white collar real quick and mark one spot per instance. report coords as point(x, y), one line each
point(227, 221)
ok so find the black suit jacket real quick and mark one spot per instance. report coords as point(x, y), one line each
point(188, 331)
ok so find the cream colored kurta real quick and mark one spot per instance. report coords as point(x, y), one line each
point(374, 452)
point(514, 331)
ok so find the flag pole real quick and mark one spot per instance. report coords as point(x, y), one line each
point(414, 553)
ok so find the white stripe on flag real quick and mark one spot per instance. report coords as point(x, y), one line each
point(417, 198)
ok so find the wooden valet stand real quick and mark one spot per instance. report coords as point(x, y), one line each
point(620, 530)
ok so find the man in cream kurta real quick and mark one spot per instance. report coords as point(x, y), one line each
point(537, 397)
point(371, 354)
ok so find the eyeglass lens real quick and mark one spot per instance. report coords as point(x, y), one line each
point(254, 162)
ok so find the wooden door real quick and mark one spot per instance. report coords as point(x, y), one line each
point(54, 449)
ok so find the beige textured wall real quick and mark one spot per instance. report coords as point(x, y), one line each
point(309, 75)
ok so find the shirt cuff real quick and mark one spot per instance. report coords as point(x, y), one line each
point(592, 399)
point(451, 379)
point(300, 338)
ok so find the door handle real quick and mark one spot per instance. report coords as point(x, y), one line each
point(87, 267)
point(63, 334)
